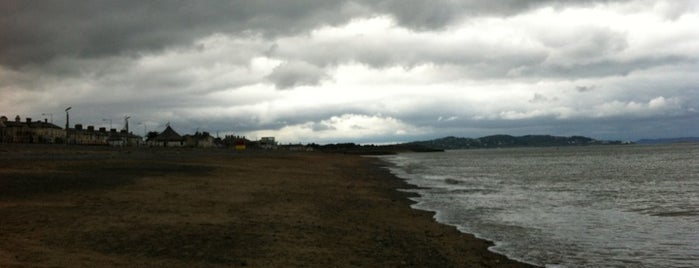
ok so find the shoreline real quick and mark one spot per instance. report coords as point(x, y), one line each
point(384, 165)
point(85, 206)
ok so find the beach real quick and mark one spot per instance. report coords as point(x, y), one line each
point(63, 206)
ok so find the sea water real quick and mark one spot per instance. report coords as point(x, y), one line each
point(596, 206)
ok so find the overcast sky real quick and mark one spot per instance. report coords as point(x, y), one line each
point(357, 70)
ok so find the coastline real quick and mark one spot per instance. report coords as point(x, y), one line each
point(83, 206)
point(475, 250)
point(481, 245)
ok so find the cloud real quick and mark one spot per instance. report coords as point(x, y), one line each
point(447, 119)
point(658, 106)
point(345, 127)
point(443, 67)
point(542, 43)
point(381, 43)
point(297, 73)
point(539, 98)
point(582, 89)
point(421, 15)
point(38, 32)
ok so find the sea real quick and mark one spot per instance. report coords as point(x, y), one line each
point(588, 206)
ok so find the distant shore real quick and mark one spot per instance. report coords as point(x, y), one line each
point(102, 207)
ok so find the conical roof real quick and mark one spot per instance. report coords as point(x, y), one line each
point(168, 135)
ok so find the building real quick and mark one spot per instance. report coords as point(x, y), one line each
point(123, 138)
point(267, 143)
point(167, 138)
point(29, 131)
point(90, 136)
point(200, 140)
point(81, 136)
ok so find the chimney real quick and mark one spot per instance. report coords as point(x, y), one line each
point(28, 119)
point(103, 129)
point(78, 126)
point(46, 120)
point(17, 119)
point(90, 128)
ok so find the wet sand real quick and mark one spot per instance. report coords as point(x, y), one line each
point(103, 207)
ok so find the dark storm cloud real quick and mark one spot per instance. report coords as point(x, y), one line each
point(423, 15)
point(39, 31)
point(35, 32)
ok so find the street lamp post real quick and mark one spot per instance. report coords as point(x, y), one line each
point(67, 123)
point(126, 123)
point(68, 117)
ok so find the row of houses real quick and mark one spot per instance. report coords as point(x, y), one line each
point(29, 131)
point(92, 136)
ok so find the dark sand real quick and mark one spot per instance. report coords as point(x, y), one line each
point(103, 207)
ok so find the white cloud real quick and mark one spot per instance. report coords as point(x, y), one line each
point(659, 106)
point(346, 127)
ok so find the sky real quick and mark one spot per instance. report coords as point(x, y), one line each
point(380, 71)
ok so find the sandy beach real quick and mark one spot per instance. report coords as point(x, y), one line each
point(103, 207)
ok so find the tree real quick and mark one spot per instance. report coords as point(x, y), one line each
point(151, 135)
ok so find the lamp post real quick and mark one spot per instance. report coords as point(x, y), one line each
point(68, 117)
point(126, 123)
point(67, 123)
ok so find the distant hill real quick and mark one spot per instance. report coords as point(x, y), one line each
point(666, 141)
point(502, 141)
